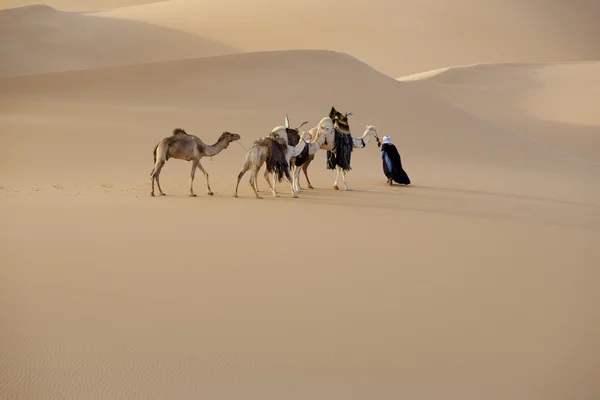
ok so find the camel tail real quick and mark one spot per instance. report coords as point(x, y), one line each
point(154, 152)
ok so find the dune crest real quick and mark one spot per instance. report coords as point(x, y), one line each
point(553, 103)
point(79, 5)
point(396, 37)
point(40, 39)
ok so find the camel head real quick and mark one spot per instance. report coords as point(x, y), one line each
point(306, 136)
point(326, 125)
point(372, 131)
point(229, 137)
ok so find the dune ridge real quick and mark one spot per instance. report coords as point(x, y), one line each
point(410, 36)
point(59, 41)
point(220, 89)
point(551, 103)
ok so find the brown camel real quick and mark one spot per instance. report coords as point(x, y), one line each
point(183, 146)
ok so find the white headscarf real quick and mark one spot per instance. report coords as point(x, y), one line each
point(387, 140)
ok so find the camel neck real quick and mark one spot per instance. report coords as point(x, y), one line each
point(216, 148)
point(365, 138)
point(317, 144)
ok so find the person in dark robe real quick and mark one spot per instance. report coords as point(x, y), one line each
point(392, 165)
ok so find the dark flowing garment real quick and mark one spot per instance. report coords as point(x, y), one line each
point(392, 165)
point(343, 144)
point(342, 153)
point(276, 161)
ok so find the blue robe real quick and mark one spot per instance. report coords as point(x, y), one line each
point(392, 164)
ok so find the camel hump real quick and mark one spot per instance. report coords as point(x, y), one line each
point(270, 141)
point(178, 131)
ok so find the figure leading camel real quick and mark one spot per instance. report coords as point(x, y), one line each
point(183, 146)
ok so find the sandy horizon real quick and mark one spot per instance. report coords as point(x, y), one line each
point(476, 281)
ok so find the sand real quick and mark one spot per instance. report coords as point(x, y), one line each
point(550, 103)
point(476, 281)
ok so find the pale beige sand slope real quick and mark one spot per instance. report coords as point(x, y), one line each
point(478, 281)
point(40, 39)
point(554, 104)
point(397, 37)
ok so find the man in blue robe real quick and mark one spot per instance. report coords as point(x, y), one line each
point(392, 165)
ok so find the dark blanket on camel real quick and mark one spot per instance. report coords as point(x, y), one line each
point(392, 165)
point(342, 147)
point(302, 157)
point(293, 136)
point(276, 162)
point(341, 153)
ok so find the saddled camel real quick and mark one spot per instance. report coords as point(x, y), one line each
point(340, 147)
point(183, 146)
point(276, 153)
point(319, 137)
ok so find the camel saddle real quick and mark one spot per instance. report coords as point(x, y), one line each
point(271, 140)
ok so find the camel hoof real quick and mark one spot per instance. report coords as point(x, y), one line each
point(235, 195)
point(336, 187)
point(210, 193)
point(163, 194)
point(193, 195)
point(348, 190)
point(152, 194)
point(310, 187)
point(259, 198)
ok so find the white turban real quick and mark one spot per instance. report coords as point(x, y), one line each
point(387, 140)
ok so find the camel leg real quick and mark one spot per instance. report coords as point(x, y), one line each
point(152, 181)
point(253, 180)
point(274, 187)
point(292, 185)
point(245, 168)
point(192, 175)
point(305, 169)
point(295, 178)
point(294, 193)
point(344, 178)
point(267, 179)
point(337, 177)
point(201, 168)
point(155, 176)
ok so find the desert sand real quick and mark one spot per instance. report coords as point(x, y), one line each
point(477, 281)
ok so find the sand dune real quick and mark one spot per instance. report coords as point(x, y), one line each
point(41, 39)
point(554, 104)
point(242, 92)
point(396, 37)
point(479, 280)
